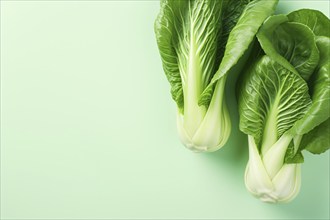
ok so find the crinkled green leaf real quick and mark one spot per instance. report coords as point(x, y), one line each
point(265, 38)
point(296, 43)
point(232, 12)
point(169, 29)
point(239, 40)
point(319, 88)
point(315, 20)
point(290, 43)
point(187, 34)
point(271, 100)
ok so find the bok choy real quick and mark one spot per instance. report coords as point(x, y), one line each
point(199, 42)
point(284, 102)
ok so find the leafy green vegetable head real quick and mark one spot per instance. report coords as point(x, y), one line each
point(199, 43)
point(284, 102)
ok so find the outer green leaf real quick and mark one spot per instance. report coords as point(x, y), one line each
point(239, 40)
point(169, 27)
point(320, 91)
point(271, 99)
point(289, 43)
point(318, 140)
point(315, 20)
point(232, 12)
point(296, 43)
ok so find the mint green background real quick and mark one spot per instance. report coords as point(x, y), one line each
point(89, 131)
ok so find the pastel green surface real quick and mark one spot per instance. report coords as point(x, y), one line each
point(88, 126)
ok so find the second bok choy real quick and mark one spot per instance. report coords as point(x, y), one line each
point(284, 102)
point(199, 42)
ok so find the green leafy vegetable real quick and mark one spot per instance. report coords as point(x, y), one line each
point(284, 102)
point(315, 20)
point(199, 42)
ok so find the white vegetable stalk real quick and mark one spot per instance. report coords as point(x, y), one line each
point(204, 129)
point(266, 175)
